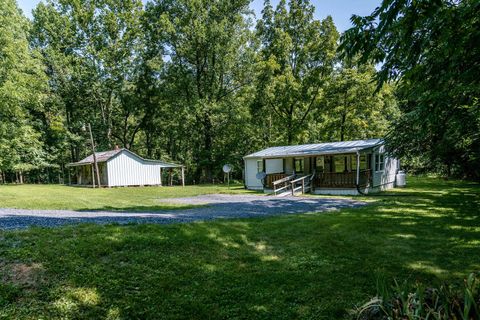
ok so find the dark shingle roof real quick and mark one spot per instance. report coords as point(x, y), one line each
point(104, 156)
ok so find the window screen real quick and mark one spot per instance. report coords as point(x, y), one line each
point(379, 162)
point(363, 162)
point(340, 164)
point(259, 165)
point(298, 165)
point(320, 164)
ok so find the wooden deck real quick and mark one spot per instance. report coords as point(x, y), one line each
point(328, 179)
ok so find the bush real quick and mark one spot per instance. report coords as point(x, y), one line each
point(419, 302)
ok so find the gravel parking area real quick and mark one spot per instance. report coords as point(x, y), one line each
point(217, 207)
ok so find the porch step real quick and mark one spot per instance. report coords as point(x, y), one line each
point(298, 190)
point(284, 194)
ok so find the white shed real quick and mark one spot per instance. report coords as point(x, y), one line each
point(122, 167)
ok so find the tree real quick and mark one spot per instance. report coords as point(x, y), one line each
point(189, 81)
point(207, 70)
point(353, 109)
point(92, 51)
point(431, 49)
point(297, 56)
point(22, 88)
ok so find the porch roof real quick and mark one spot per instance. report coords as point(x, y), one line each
point(316, 149)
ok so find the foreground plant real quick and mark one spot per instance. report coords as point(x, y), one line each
point(420, 302)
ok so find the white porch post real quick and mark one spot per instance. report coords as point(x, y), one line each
point(358, 168)
point(183, 176)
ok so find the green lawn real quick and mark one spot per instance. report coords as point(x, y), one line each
point(32, 196)
point(314, 266)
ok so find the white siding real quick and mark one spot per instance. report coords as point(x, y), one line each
point(127, 170)
point(385, 179)
point(251, 180)
point(273, 166)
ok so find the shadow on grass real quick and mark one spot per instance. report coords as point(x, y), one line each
point(224, 208)
point(303, 266)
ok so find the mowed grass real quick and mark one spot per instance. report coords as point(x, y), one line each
point(32, 196)
point(311, 266)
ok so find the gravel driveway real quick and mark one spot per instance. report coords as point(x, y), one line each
point(218, 207)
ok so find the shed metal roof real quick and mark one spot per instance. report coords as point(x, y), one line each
point(316, 149)
point(104, 156)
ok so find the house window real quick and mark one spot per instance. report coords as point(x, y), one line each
point(363, 162)
point(379, 162)
point(259, 166)
point(298, 165)
point(369, 161)
point(320, 164)
point(340, 164)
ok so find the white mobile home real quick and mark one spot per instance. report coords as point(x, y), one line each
point(347, 167)
point(119, 168)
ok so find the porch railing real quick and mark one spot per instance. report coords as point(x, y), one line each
point(302, 184)
point(282, 184)
point(341, 179)
point(272, 177)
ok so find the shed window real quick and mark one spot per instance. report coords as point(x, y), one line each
point(379, 162)
point(298, 165)
point(259, 166)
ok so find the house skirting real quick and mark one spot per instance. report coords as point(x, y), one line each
point(341, 191)
point(353, 191)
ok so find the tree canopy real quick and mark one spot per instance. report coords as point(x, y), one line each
point(430, 48)
point(23, 86)
point(204, 82)
point(297, 55)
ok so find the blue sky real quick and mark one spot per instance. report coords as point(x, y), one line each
point(340, 10)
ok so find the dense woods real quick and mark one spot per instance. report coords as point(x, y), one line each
point(204, 82)
point(431, 49)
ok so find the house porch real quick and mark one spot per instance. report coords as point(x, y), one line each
point(331, 172)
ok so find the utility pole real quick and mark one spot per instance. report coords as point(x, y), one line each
point(95, 164)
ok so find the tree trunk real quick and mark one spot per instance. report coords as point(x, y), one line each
point(208, 144)
point(342, 127)
point(290, 131)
